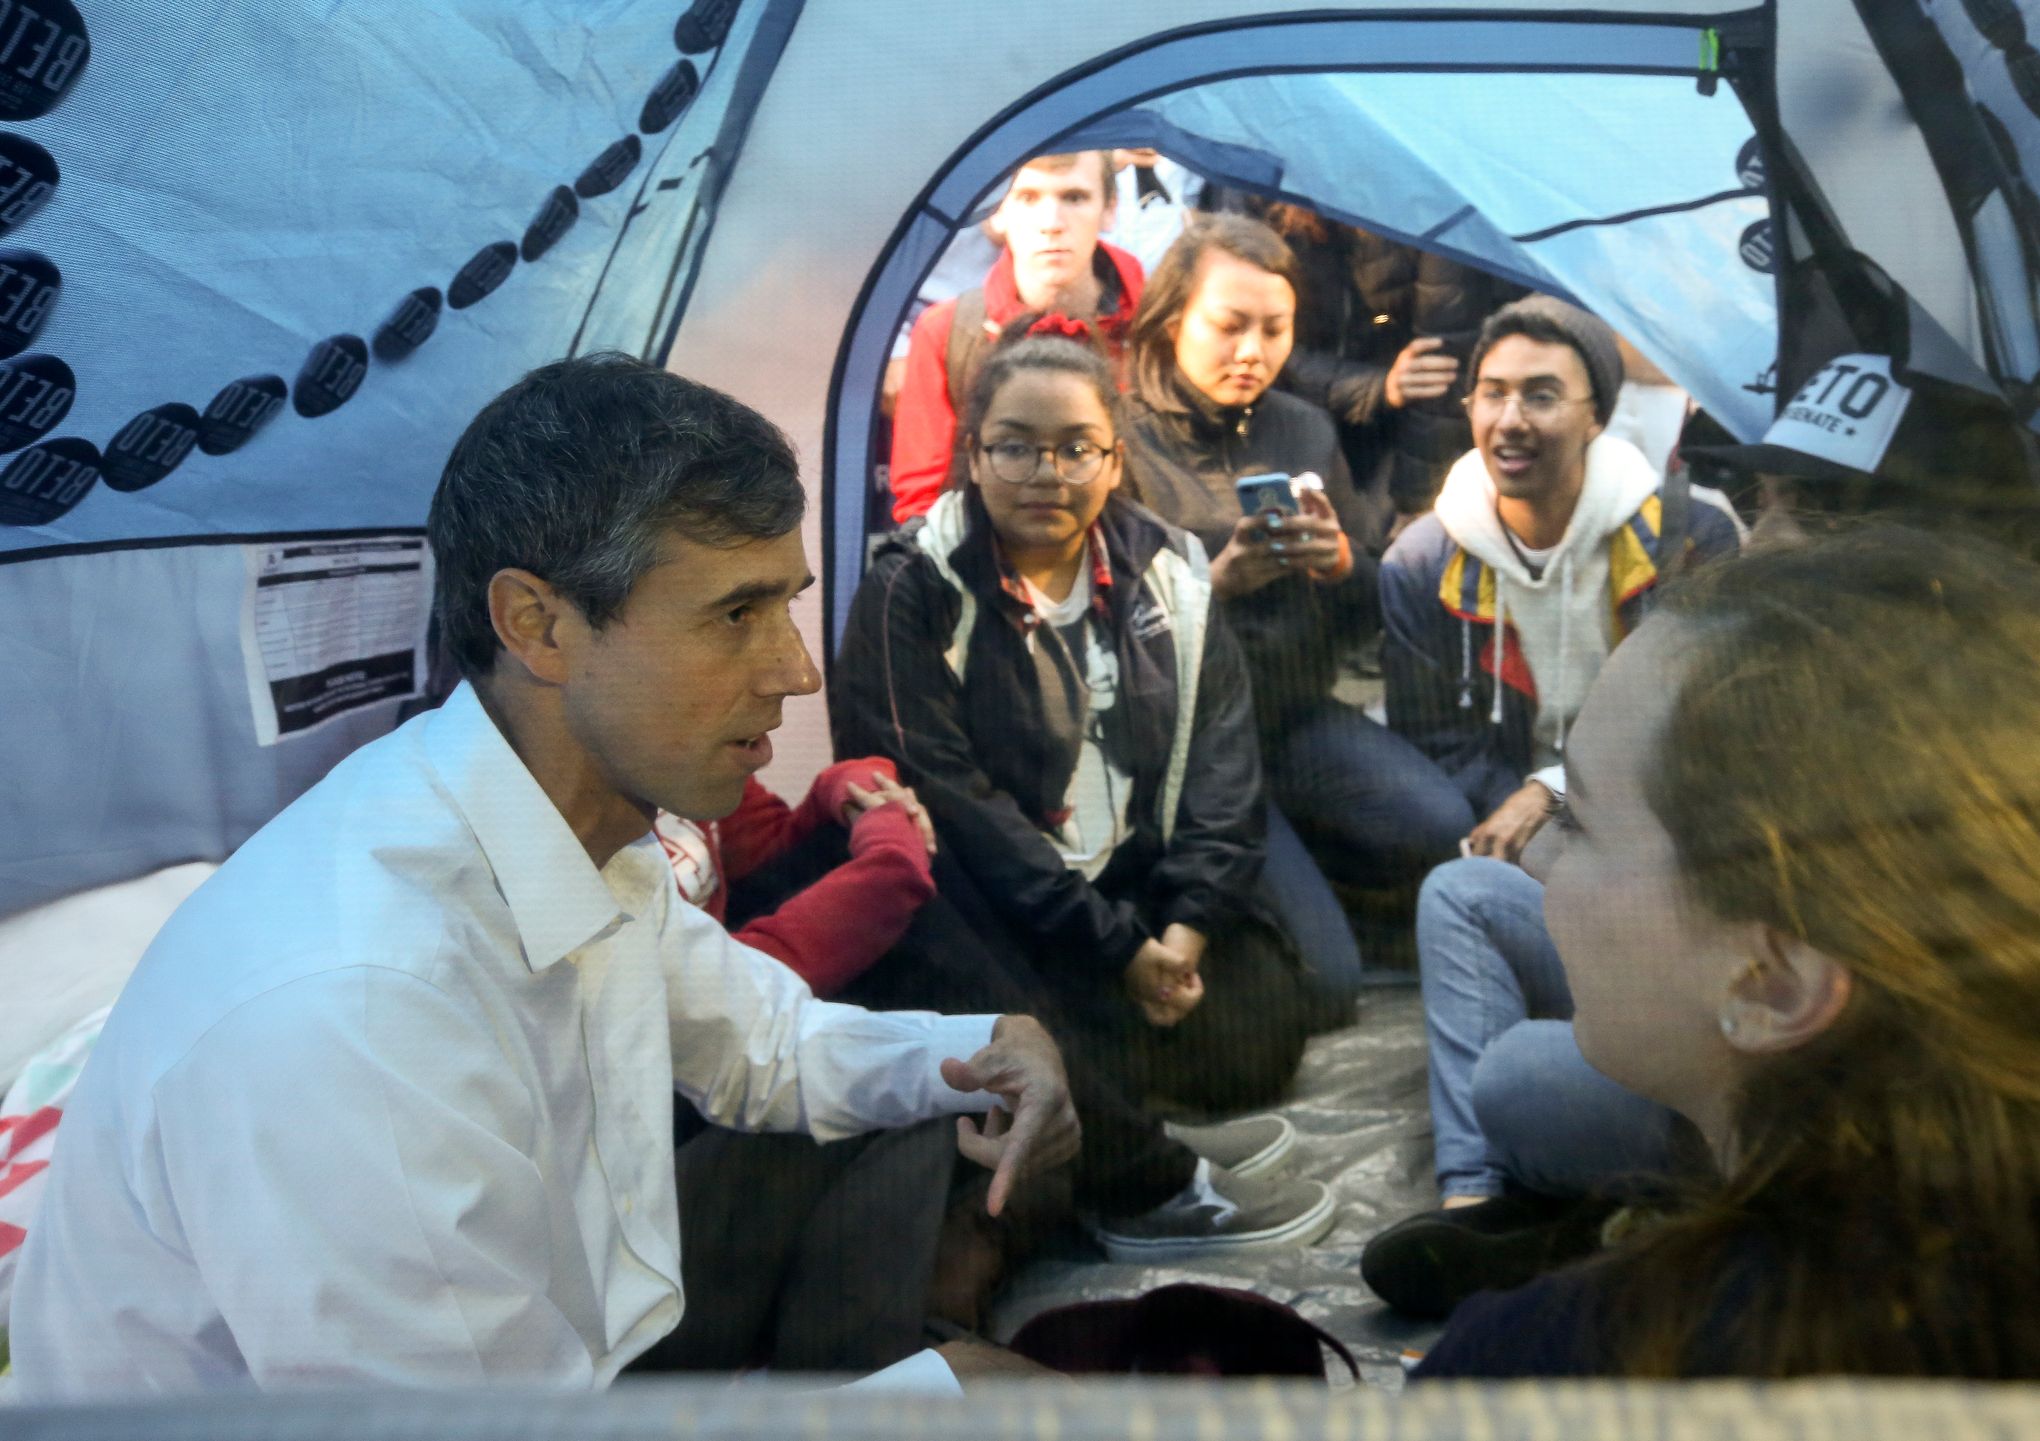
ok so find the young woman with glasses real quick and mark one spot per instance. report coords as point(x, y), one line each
point(1043, 661)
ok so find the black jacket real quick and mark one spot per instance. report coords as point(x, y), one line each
point(993, 764)
point(1183, 463)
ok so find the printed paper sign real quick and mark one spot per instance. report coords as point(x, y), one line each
point(330, 626)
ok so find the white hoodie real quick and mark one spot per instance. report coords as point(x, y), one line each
point(1564, 620)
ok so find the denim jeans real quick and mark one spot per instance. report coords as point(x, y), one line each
point(1512, 1099)
point(1303, 900)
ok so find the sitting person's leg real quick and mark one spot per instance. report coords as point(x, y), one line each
point(1486, 965)
point(1240, 1048)
point(1557, 1126)
point(1151, 1192)
point(1297, 892)
point(1531, 1141)
point(1373, 809)
point(760, 1249)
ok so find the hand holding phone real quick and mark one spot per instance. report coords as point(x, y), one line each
point(1271, 493)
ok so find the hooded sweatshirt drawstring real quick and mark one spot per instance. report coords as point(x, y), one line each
point(1565, 573)
point(1501, 642)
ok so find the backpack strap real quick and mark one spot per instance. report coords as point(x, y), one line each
point(1675, 523)
point(967, 342)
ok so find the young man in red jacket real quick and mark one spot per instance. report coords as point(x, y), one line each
point(1055, 262)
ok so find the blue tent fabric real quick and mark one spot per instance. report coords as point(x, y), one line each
point(260, 260)
point(254, 190)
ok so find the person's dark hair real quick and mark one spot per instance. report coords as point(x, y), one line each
point(1880, 1213)
point(1018, 349)
point(1150, 346)
point(577, 471)
point(1552, 321)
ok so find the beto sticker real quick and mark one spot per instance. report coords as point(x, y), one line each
point(150, 446)
point(609, 169)
point(43, 46)
point(28, 288)
point(674, 92)
point(330, 376)
point(410, 325)
point(41, 484)
point(554, 219)
point(479, 278)
point(1846, 413)
point(705, 25)
point(28, 177)
point(238, 411)
point(1749, 165)
point(35, 395)
point(1755, 247)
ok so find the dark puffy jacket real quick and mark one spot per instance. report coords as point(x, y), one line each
point(1182, 464)
point(966, 721)
point(1365, 298)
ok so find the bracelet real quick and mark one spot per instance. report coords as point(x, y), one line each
point(1339, 569)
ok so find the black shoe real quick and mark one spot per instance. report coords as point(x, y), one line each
point(1427, 1265)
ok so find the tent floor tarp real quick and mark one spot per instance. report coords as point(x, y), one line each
point(1363, 1128)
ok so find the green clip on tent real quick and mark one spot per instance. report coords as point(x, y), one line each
point(259, 262)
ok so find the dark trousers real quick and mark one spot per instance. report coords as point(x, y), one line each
point(1374, 811)
point(805, 1256)
point(1239, 1049)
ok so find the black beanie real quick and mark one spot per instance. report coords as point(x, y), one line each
point(1589, 335)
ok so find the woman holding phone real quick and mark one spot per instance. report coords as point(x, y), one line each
point(1214, 328)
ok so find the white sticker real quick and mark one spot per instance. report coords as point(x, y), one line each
point(1846, 414)
point(330, 626)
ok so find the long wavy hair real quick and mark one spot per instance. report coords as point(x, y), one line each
point(1854, 760)
point(1150, 347)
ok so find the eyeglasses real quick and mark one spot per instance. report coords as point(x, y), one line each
point(1076, 462)
point(1537, 405)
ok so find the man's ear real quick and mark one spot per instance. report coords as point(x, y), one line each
point(1788, 993)
point(527, 613)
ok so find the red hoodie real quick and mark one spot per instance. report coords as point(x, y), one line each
point(830, 933)
point(924, 419)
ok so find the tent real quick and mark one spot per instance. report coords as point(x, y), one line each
point(260, 262)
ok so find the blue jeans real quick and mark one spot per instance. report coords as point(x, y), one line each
point(1296, 890)
point(1512, 1099)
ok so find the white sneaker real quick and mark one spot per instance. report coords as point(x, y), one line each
point(1250, 1146)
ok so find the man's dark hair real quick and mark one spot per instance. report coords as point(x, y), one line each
point(577, 471)
point(1150, 346)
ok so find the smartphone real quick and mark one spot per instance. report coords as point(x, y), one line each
point(1270, 491)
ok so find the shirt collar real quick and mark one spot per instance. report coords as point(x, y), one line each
point(558, 900)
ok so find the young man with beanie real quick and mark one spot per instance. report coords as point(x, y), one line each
point(1500, 608)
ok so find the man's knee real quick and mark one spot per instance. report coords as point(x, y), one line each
point(1462, 889)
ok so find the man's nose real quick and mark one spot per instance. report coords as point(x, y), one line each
point(791, 670)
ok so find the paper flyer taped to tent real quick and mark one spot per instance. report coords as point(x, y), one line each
point(330, 626)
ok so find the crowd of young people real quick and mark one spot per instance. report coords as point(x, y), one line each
point(1101, 813)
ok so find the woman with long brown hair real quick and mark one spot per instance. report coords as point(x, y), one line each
point(1798, 899)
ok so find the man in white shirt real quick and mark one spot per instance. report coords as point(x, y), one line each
point(389, 1099)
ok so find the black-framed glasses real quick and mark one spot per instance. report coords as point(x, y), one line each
point(1076, 462)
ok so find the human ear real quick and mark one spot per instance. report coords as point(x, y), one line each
point(526, 613)
point(1787, 994)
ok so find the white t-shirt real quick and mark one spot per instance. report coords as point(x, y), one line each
point(1099, 792)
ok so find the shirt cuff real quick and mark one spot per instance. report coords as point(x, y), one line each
point(924, 1373)
point(961, 1037)
point(1552, 778)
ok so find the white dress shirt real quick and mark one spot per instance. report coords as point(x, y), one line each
point(389, 1100)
